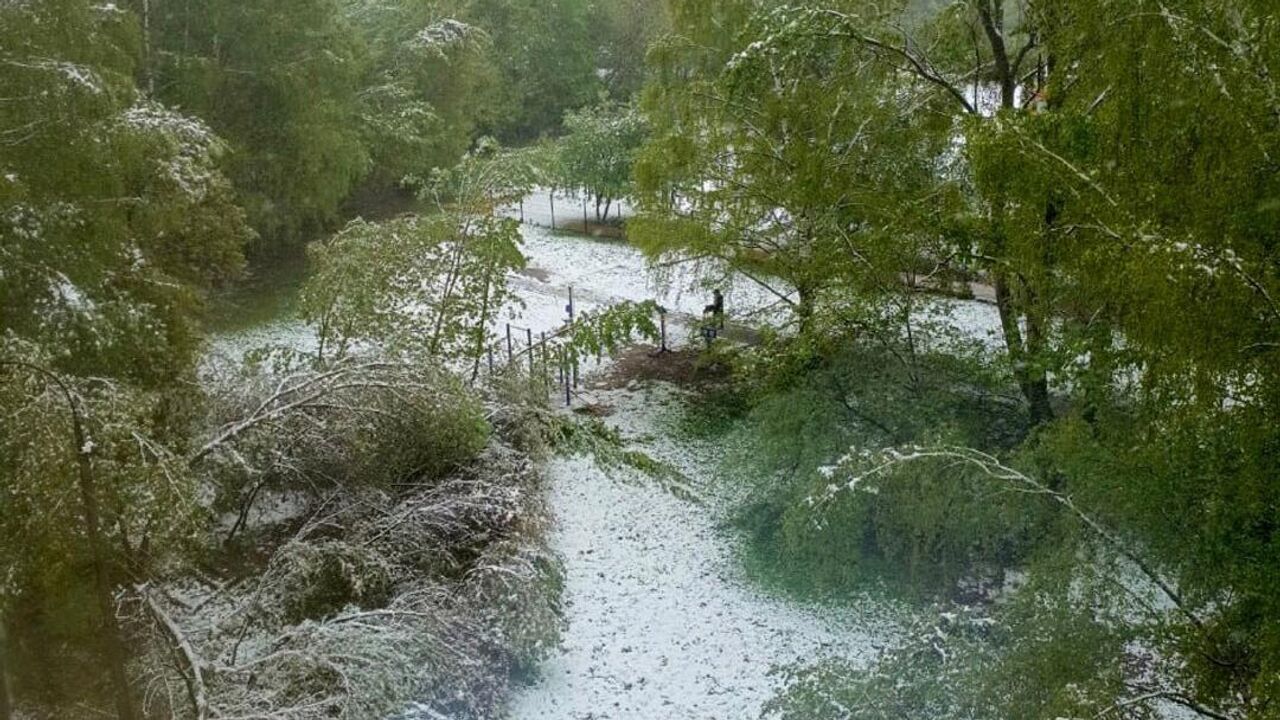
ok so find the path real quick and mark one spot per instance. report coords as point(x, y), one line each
point(661, 624)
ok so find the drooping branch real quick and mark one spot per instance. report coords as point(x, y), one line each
point(290, 397)
point(991, 466)
point(919, 65)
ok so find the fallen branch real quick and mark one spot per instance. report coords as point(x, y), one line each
point(196, 689)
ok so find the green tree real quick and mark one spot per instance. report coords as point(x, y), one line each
point(546, 55)
point(113, 214)
point(627, 29)
point(425, 88)
point(779, 155)
point(280, 82)
point(598, 151)
point(432, 284)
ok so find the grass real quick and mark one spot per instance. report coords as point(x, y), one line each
point(269, 293)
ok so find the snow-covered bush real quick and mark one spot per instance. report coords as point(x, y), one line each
point(431, 585)
point(355, 423)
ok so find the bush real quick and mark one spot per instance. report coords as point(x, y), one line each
point(1040, 657)
point(318, 580)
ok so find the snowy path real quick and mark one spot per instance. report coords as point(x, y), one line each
point(661, 625)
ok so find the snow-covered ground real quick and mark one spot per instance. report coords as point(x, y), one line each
point(660, 622)
point(601, 272)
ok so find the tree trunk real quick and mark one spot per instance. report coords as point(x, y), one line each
point(1031, 380)
point(991, 15)
point(111, 638)
point(113, 643)
point(6, 704)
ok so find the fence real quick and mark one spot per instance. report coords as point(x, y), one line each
point(561, 211)
point(547, 357)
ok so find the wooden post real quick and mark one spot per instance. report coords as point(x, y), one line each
point(568, 391)
point(529, 337)
point(571, 308)
point(510, 350)
point(546, 369)
point(552, 195)
point(521, 211)
point(584, 214)
point(662, 317)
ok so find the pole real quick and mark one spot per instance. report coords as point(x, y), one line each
point(546, 368)
point(663, 318)
point(510, 350)
point(571, 308)
point(490, 360)
point(521, 211)
point(529, 337)
point(568, 392)
point(553, 208)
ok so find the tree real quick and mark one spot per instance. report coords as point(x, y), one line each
point(547, 59)
point(93, 495)
point(627, 30)
point(113, 214)
point(114, 219)
point(789, 159)
point(1000, 40)
point(597, 153)
point(427, 284)
point(425, 86)
point(284, 94)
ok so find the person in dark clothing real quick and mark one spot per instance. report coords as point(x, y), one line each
point(716, 308)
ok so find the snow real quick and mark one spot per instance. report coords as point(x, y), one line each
point(661, 622)
point(72, 297)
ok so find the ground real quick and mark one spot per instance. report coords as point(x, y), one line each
point(661, 622)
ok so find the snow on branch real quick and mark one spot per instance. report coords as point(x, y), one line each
point(881, 464)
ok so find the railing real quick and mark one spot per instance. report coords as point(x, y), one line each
point(547, 357)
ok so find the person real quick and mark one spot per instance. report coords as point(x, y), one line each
point(716, 308)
